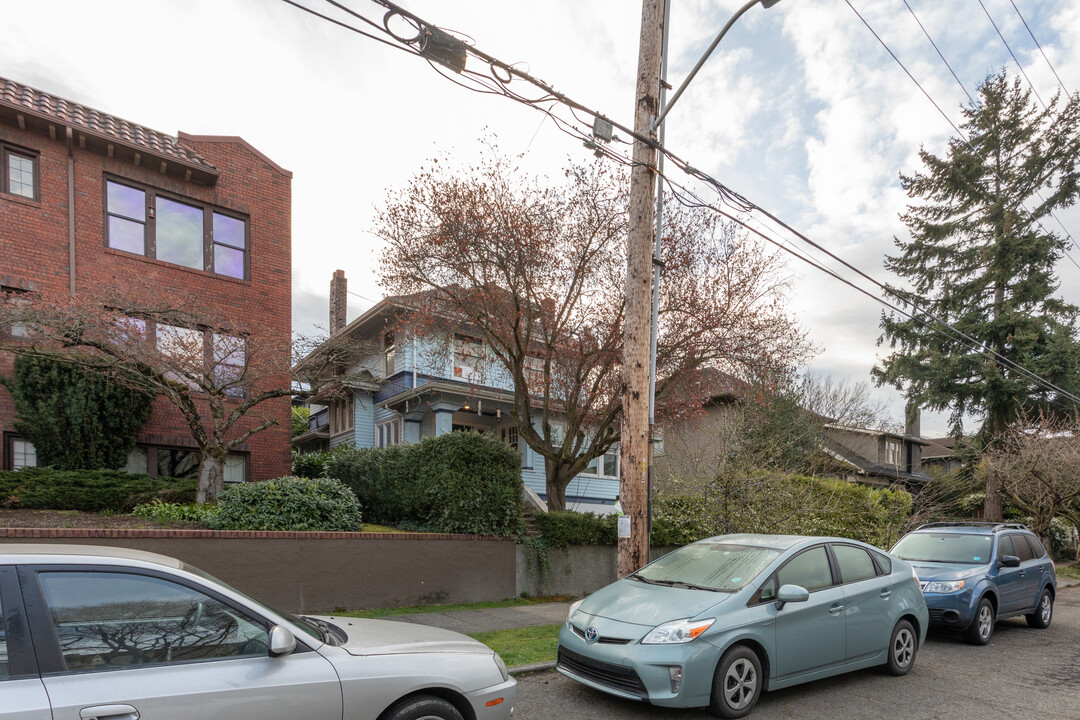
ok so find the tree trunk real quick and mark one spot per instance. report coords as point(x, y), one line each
point(211, 478)
point(992, 503)
point(556, 481)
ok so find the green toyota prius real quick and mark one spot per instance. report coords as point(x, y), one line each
point(716, 622)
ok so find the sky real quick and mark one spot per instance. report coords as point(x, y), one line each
point(800, 109)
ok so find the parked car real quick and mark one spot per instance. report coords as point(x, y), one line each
point(976, 573)
point(97, 632)
point(716, 622)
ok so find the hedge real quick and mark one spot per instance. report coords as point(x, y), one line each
point(787, 505)
point(288, 503)
point(462, 482)
point(89, 490)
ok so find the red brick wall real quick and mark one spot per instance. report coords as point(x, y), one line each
point(34, 255)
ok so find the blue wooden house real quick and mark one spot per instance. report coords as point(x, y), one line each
point(401, 388)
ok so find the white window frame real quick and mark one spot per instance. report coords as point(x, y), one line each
point(388, 432)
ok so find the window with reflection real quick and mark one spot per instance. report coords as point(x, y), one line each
point(855, 563)
point(18, 172)
point(185, 232)
point(4, 664)
point(109, 621)
point(808, 569)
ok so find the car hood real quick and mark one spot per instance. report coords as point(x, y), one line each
point(386, 637)
point(639, 603)
point(929, 571)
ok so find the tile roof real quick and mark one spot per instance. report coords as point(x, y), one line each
point(23, 97)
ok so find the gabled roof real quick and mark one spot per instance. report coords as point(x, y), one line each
point(29, 105)
point(939, 448)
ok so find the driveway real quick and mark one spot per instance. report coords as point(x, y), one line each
point(1022, 673)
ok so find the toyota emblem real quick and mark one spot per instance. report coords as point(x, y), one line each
point(591, 634)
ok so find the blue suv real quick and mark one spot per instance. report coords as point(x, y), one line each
point(973, 574)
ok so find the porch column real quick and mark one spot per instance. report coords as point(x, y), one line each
point(444, 421)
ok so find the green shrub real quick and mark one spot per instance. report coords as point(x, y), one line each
point(454, 483)
point(561, 529)
point(89, 490)
point(288, 503)
point(175, 512)
point(313, 464)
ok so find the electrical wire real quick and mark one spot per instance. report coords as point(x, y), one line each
point(356, 30)
point(728, 197)
point(1039, 46)
point(940, 55)
point(1006, 43)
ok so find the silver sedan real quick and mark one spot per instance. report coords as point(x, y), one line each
point(115, 634)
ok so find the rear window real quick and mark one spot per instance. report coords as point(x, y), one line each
point(944, 547)
point(1036, 546)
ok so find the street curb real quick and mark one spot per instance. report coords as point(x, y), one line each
point(532, 668)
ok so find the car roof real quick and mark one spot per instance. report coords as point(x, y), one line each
point(971, 528)
point(777, 542)
point(57, 554)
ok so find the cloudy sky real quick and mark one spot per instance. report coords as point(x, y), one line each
point(801, 109)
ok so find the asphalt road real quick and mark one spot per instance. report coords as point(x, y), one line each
point(1022, 674)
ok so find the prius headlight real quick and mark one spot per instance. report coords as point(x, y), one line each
point(942, 587)
point(677, 631)
point(573, 609)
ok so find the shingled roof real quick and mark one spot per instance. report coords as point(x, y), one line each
point(27, 103)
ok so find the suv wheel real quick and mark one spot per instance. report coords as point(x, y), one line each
point(982, 627)
point(1044, 612)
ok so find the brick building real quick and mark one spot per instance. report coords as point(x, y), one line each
point(86, 195)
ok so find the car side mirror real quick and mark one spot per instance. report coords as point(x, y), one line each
point(791, 593)
point(282, 641)
point(1009, 561)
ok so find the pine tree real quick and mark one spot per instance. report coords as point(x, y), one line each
point(981, 257)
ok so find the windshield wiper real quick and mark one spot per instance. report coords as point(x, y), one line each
point(692, 586)
point(649, 581)
point(326, 630)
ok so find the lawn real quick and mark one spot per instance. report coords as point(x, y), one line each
point(420, 609)
point(523, 646)
point(1071, 571)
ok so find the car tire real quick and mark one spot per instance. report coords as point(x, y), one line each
point(903, 644)
point(982, 627)
point(1044, 612)
point(424, 707)
point(737, 683)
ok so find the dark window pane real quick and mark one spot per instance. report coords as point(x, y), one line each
point(229, 231)
point(126, 201)
point(127, 235)
point(1023, 550)
point(809, 570)
point(21, 175)
point(178, 463)
point(179, 233)
point(1036, 546)
point(229, 261)
point(106, 621)
point(1005, 546)
point(855, 563)
point(4, 665)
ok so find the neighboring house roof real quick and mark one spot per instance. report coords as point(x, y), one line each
point(863, 465)
point(723, 387)
point(876, 433)
point(939, 448)
point(23, 102)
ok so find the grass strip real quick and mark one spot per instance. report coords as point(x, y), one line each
point(423, 609)
point(523, 646)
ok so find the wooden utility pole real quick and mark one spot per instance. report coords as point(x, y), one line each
point(634, 437)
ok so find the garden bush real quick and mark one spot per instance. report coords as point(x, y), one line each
point(313, 464)
point(287, 503)
point(786, 505)
point(89, 490)
point(455, 483)
point(175, 512)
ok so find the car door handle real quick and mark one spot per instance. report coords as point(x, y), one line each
point(109, 712)
point(886, 594)
point(835, 609)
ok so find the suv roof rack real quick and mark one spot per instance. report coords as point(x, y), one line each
point(994, 526)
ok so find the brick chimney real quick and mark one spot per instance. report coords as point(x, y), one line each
point(339, 302)
point(912, 428)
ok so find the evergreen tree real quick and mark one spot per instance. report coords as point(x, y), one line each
point(981, 258)
point(76, 419)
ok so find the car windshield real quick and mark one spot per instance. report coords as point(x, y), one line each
point(708, 566)
point(944, 548)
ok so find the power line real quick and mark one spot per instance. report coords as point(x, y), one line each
point(940, 55)
point(1039, 46)
point(1006, 43)
point(732, 199)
